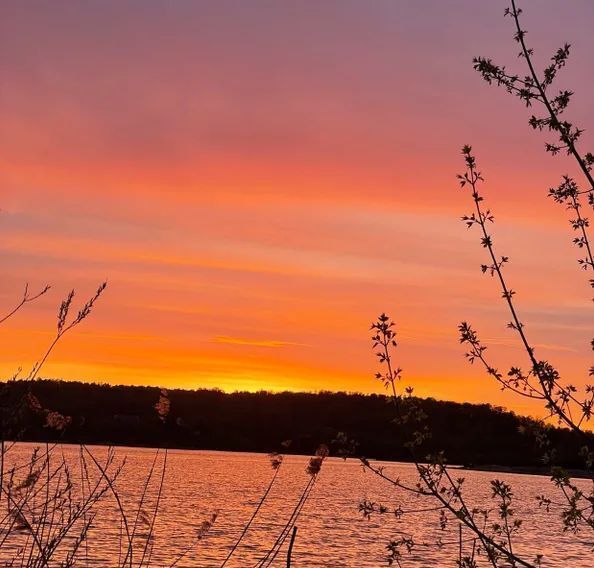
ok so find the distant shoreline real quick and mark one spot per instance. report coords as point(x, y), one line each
point(529, 470)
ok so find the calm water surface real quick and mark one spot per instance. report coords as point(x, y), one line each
point(331, 531)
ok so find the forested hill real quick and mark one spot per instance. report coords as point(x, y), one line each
point(210, 419)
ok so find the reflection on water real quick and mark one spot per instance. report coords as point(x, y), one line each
point(331, 531)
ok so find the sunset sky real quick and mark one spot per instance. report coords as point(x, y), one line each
point(258, 180)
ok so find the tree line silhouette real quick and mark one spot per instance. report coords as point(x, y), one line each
point(209, 419)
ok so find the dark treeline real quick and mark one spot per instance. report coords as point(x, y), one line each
point(470, 434)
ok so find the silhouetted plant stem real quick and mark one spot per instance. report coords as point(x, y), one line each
point(435, 481)
point(26, 298)
point(254, 514)
point(47, 493)
point(63, 327)
point(201, 532)
point(534, 88)
point(147, 481)
point(273, 551)
point(463, 514)
point(460, 544)
point(156, 509)
point(481, 218)
point(2, 450)
point(290, 550)
point(22, 516)
point(114, 492)
point(313, 470)
point(84, 479)
point(566, 136)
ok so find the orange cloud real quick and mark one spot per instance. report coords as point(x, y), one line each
point(253, 342)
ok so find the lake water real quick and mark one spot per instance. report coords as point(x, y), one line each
point(331, 531)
